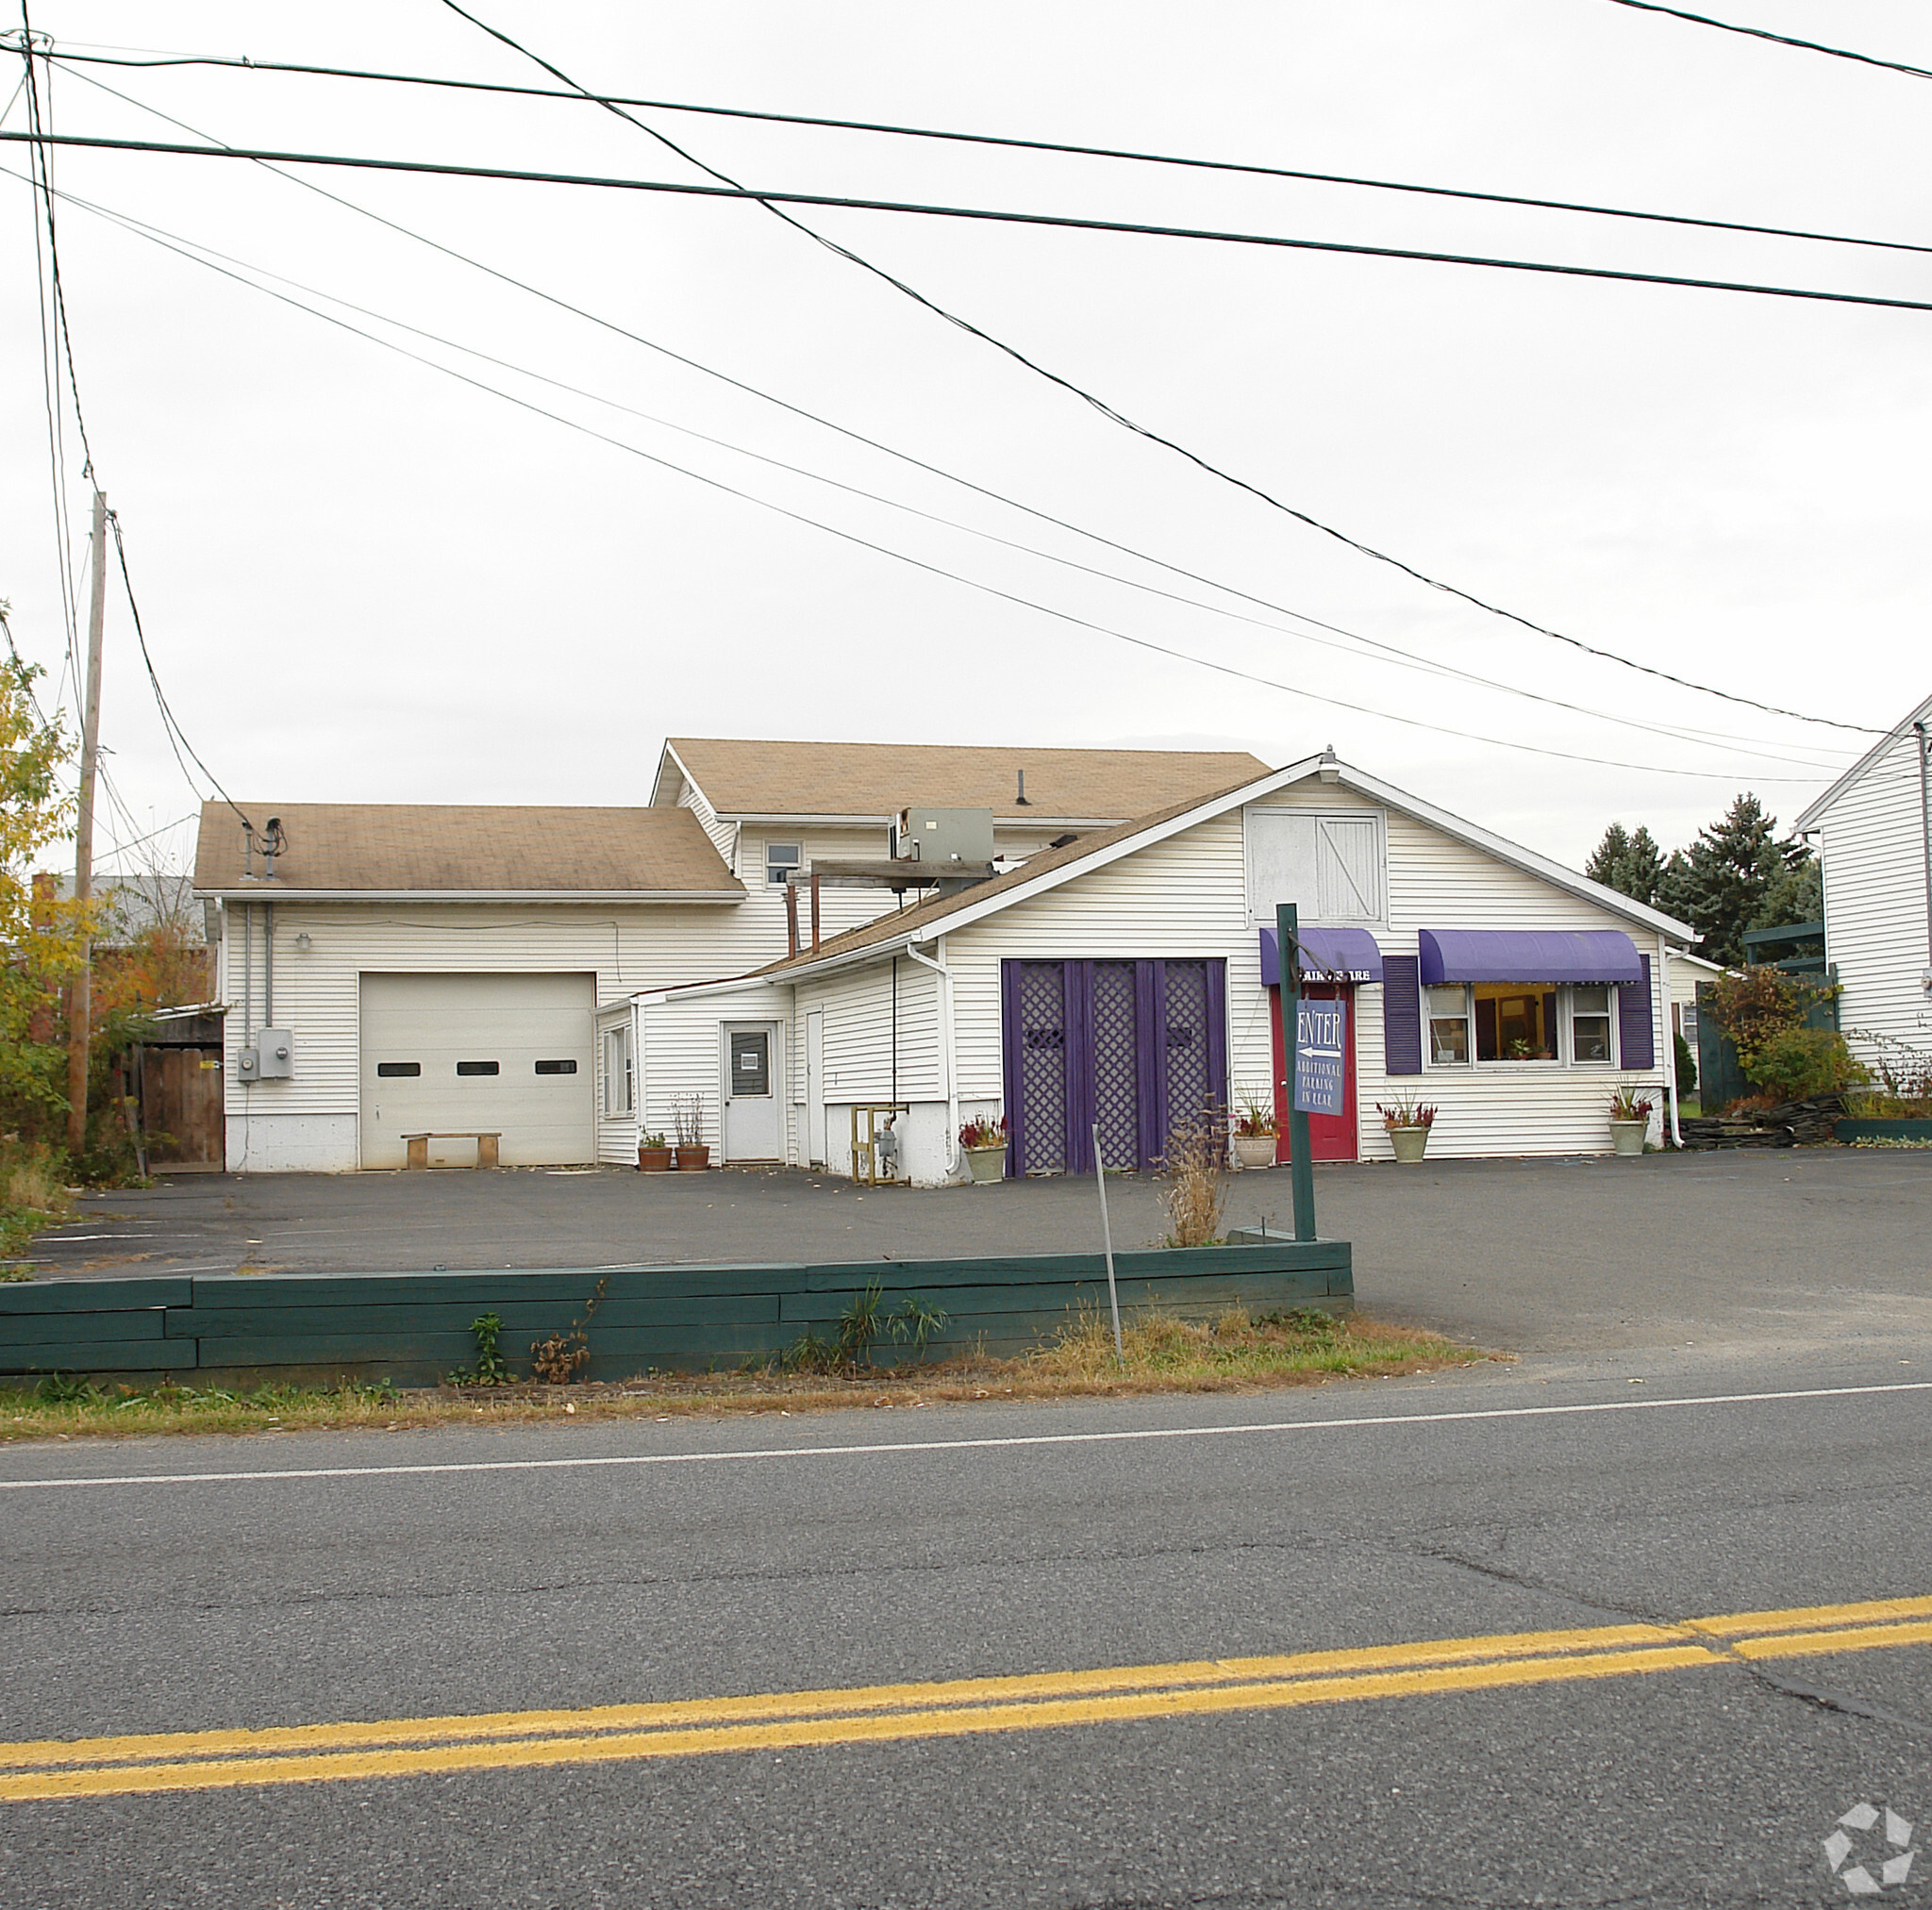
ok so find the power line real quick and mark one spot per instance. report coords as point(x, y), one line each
point(766, 197)
point(977, 584)
point(1396, 651)
point(1396, 657)
point(1007, 142)
point(776, 197)
point(1778, 39)
point(177, 739)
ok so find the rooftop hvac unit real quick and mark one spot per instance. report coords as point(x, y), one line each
point(943, 836)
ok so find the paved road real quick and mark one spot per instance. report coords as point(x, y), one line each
point(1803, 1253)
point(1386, 1518)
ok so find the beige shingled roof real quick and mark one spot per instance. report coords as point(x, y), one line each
point(387, 848)
point(747, 778)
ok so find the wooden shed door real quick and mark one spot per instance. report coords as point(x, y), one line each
point(181, 1102)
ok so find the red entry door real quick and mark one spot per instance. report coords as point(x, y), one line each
point(1331, 1136)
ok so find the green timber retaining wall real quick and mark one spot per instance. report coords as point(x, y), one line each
point(1905, 1128)
point(414, 1328)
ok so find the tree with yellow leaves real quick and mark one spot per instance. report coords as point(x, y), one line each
point(41, 937)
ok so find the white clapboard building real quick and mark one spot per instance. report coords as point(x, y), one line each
point(398, 970)
point(1873, 829)
point(1126, 976)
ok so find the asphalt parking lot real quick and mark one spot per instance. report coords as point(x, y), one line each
point(1795, 1251)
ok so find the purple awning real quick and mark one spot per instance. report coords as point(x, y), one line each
point(1528, 954)
point(1351, 952)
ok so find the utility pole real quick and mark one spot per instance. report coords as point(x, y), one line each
point(80, 997)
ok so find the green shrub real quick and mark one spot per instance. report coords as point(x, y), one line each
point(1797, 1063)
point(1686, 1067)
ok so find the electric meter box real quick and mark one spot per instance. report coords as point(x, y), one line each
point(275, 1051)
point(943, 836)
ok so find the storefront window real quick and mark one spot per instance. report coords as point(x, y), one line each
point(1506, 1022)
point(1448, 1026)
point(1589, 1024)
point(1515, 1021)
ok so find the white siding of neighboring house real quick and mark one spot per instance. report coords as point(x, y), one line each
point(1875, 903)
point(1187, 897)
point(308, 1123)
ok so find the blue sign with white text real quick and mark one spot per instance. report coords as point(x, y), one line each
point(1319, 1030)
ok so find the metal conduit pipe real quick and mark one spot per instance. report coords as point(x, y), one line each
point(947, 1046)
point(268, 969)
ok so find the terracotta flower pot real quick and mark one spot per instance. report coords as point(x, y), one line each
point(654, 1160)
point(1255, 1150)
point(690, 1157)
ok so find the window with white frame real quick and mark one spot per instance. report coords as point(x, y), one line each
point(619, 1089)
point(1333, 867)
point(1449, 1025)
point(781, 858)
point(1522, 1023)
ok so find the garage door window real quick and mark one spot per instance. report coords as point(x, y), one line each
point(398, 1071)
point(557, 1067)
point(479, 1068)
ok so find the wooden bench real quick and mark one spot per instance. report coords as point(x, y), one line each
point(419, 1147)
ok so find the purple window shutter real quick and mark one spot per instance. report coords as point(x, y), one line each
point(1401, 1014)
point(1636, 1036)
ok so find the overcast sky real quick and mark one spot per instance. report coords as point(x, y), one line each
point(364, 580)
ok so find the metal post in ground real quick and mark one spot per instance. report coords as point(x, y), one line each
point(1301, 1166)
point(1113, 1296)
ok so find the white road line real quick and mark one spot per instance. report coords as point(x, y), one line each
point(959, 1445)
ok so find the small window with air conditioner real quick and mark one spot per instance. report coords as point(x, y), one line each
point(781, 860)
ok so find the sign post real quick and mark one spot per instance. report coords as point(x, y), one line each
point(1301, 1166)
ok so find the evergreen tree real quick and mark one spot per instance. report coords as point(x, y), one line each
point(1643, 867)
point(1628, 863)
point(1797, 892)
point(1727, 878)
point(1608, 856)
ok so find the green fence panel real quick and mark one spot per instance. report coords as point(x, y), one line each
point(92, 1296)
point(37, 1329)
point(95, 1355)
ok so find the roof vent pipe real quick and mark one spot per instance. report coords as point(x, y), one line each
point(1019, 801)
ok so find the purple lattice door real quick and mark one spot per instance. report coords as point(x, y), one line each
point(1134, 1046)
point(1117, 1063)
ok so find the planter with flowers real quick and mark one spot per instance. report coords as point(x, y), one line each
point(692, 1150)
point(1254, 1135)
point(653, 1154)
point(983, 1145)
point(1409, 1123)
point(1630, 1113)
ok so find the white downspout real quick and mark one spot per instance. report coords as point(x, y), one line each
point(1670, 1041)
point(947, 1047)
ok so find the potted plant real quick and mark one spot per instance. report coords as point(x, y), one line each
point(688, 1119)
point(653, 1154)
point(1631, 1112)
point(1254, 1134)
point(1409, 1123)
point(983, 1142)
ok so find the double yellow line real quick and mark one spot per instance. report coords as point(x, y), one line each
point(310, 1753)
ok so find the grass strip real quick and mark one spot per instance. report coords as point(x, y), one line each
point(1164, 1355)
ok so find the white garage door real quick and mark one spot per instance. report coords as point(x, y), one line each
point(459, 1053)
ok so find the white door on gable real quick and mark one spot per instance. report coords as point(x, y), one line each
point(753, 1123)
point(815, 1085)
